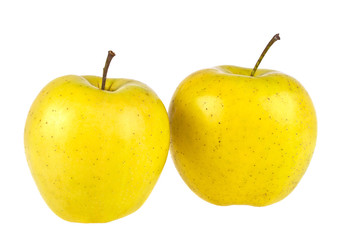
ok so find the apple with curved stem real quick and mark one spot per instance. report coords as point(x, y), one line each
point(96, 146)
point(242, 136)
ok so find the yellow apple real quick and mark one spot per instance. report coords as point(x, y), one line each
point(96, 154)
point(242, 138)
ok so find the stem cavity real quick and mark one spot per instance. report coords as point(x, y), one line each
point(274, 39)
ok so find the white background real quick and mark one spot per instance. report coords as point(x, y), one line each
point(160, 43)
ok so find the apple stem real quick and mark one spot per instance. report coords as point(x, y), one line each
point(110, 56)
point(274, 39)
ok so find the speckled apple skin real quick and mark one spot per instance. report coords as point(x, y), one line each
point(237, 139)
point(96, 155)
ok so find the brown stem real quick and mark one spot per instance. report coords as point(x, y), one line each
point(111, 54)
point(274, 39)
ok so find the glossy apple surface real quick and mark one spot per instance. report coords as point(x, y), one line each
point(238, 139)
point(96, 154)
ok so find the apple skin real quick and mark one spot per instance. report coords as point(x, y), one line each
point(241, 140)
point(94, 154)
